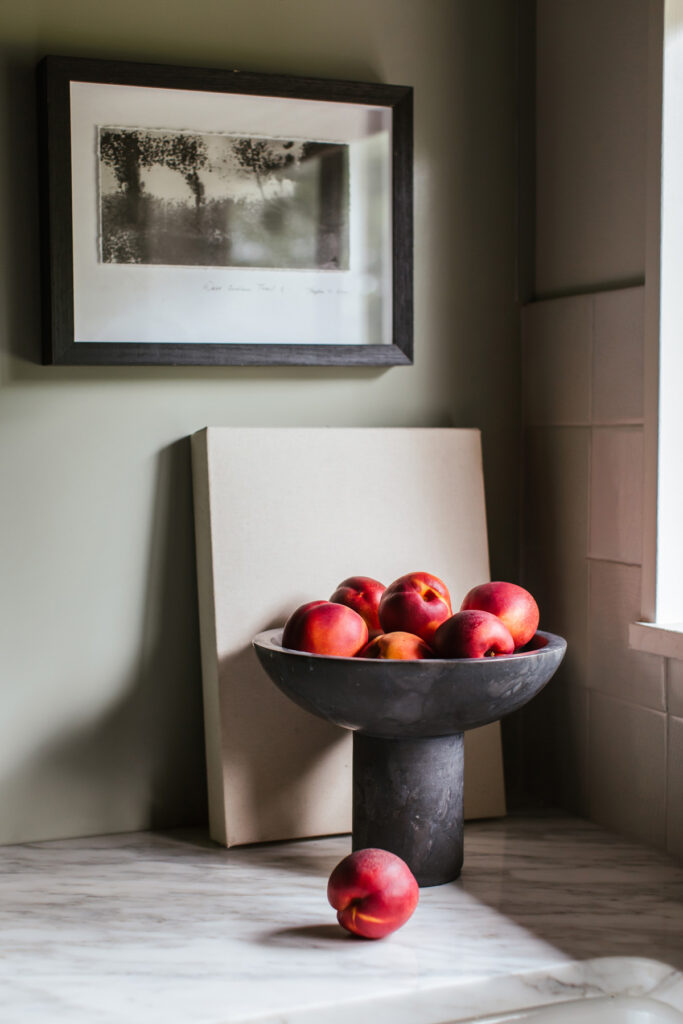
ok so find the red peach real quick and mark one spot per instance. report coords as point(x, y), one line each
point(363, 594)
point(373, 891)
point(398, 645)
point(415, 603)
point(472, 634)
point(321, 627)
point(292, 622)
point(513, 605)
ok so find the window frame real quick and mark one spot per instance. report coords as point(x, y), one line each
point(660, 630)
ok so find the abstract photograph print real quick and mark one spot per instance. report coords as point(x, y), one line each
point(181, 198)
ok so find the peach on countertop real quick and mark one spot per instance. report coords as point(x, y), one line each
point(373, 891)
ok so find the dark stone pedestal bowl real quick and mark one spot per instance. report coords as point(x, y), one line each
point(408, 720)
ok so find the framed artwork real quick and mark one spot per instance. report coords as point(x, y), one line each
point(205, 217)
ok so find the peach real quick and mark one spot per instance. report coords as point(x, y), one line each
point(298, 613)
point(398, 645)
point(513, 605)
point(415, 603)
point(373, 891)
point(363, 594)
point(472, 634)
point(322, 627)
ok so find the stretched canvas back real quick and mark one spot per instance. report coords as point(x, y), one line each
point(282, 516)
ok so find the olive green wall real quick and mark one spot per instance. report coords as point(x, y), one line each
point(591, 134)
point(100, 723)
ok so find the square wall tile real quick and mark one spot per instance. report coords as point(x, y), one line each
point(616, 495)
point(555, 535)
point(613, 668)
point(619, 329)
point(674, 697)
point(557, 360)
point(627, 769)
point(674, 810)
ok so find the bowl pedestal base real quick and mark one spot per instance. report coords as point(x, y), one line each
point(408, 799)
point(408, 720)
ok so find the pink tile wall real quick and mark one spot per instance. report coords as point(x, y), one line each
point(616, 714)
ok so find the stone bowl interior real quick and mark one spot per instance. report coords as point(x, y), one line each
point(430, 697)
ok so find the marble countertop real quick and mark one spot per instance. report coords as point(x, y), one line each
point(169, 927)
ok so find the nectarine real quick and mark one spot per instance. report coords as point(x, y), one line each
point(472, 634)
point(373, 891)
point(362, 593)
point(398, 645)
point(513, 605)
point(322, 627)
point(415, 603)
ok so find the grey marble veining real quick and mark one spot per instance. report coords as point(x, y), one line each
point(156, 927)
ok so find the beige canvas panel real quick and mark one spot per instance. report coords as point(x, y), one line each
point(282, 516)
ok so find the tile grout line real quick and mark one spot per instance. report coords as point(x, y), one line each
point(627, 702)
point(667, 667)
point(585, 424)
point(614, 561)
point(591, 364)
point(589, 510)
point(588, 795)
point(667, 740)
point(667, 752)
point(587, 753)
point(586, 800)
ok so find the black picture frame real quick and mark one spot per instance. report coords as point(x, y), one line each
point(61, 290)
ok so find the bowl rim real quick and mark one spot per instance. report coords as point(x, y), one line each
point(265, 641)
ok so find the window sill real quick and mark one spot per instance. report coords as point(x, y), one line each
point(655, 638)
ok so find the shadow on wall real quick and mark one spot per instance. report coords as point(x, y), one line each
point(168, 690)
point(140, 764)
point(273, 751)
point(19, 196)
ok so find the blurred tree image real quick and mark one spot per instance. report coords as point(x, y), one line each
point(228, 201)
point(261, 157)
